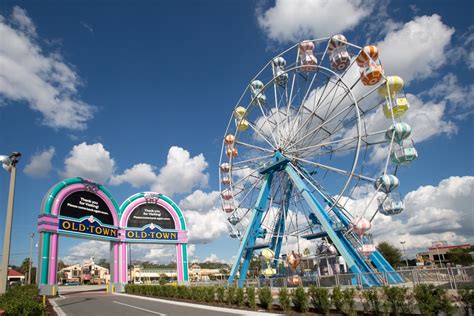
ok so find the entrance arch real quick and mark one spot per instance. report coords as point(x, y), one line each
point(82, 208)
point(79, 208)
point(150, 217)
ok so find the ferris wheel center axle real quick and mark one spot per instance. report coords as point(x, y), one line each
point(278, 163)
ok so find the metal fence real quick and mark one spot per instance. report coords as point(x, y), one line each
point(450, 278)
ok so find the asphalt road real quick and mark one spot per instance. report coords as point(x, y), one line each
point(105, 304)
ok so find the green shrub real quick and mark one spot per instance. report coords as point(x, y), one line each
point(300, 300)
point(284, 299)
point(231, 295)
point(220, 294)
point(398, 300)
point(251, 302)
point(432, 300)
point(371, 301)
point(265, 297)
point(320, 299)
point(348, 301)
point(210, 294)
point(22, 300)
point(336, 298)
point(239, 296)
point(466, 296)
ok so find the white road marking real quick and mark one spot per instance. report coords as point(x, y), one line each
point(208, 307)
point(142, 309)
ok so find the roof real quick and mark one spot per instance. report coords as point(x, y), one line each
point(14, 273)
point(450, 247)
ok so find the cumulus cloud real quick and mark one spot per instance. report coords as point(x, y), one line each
point(139, 175)
point(205, 227)
point(89, 162)
point(44, 81)
point(442, 212)
point(416, 49)
point(199, 201)
point(294, 20)
point(181, 173)
point(40, 163)
point(84, 250)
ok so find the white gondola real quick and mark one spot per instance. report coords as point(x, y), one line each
point(258, 97)
point(390, 204)
point(404, 152)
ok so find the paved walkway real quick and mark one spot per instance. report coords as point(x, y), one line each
point(105, 304)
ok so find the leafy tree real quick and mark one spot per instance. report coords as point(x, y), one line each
point(392, 254)
point(61, 265)
point(104, 263)
point(459, 256)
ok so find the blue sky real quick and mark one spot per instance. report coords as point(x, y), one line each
point(95, 88)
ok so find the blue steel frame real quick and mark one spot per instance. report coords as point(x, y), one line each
point(354, 260)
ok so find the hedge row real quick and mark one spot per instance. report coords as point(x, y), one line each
point(21, 300)
point(394, 300)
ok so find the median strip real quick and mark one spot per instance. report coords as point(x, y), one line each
point(142, 309)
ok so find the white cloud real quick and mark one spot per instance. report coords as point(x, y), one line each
point(85, 250)
point(213, 258)
point(442, 212)
point(181, 173)
point(44, 81)
point(459, 98)
point(40, 163)
point(199, 201)
point(294, 20)
point(205, 227)
point(417, 49)
point(139, 175)
point(89, 162)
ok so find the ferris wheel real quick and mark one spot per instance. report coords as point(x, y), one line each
point(312, 150)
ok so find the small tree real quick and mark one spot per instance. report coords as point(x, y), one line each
point(459, 256)
point(390, 253)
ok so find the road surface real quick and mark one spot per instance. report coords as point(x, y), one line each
point(105, 304)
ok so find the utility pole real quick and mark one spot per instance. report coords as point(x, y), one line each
point(31, 257)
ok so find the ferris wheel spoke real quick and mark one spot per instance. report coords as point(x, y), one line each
point(257, 130)
point(334, 169)
point(253, 146)
point(323, 124)
point(238, 163)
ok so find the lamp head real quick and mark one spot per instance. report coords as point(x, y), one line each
point(15, 157)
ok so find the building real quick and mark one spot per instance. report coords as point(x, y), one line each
point(436, 255)
point(196, 273)
point(86, 273)
point(15, 277)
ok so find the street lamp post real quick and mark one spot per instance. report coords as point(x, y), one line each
point(404, 252)
point(32, 235)
point(9, 164)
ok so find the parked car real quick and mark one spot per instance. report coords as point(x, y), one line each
point(72, 283)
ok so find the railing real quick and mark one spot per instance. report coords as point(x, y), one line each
point(450, 278)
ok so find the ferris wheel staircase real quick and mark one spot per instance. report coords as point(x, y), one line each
point(375, 264)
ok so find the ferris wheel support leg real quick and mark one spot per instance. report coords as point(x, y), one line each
point(276, 245)
point(246, 246)
point(341, 245)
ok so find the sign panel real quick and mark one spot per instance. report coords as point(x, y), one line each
point(150, 213)
point(88, 226)
point(80, 204)
point(151, 233)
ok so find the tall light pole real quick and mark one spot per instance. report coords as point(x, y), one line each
point(404, 252)
point(9, 164)
point(31, 257)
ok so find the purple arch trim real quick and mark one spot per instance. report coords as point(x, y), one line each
point(80, 187)
point(142, 200)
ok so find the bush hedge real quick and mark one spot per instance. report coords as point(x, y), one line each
point(386, 300)
point(22, 300)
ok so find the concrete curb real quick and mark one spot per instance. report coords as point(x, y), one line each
point(56, 308)
point(207, 307)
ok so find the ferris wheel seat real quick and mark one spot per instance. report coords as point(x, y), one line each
point(281, 79)
point(400, 106)
point(260, 99)
point(391, 204)
point(371, 75)
point(262, 233)
point(340, 60)
point(242, 125)
point(404, 152)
